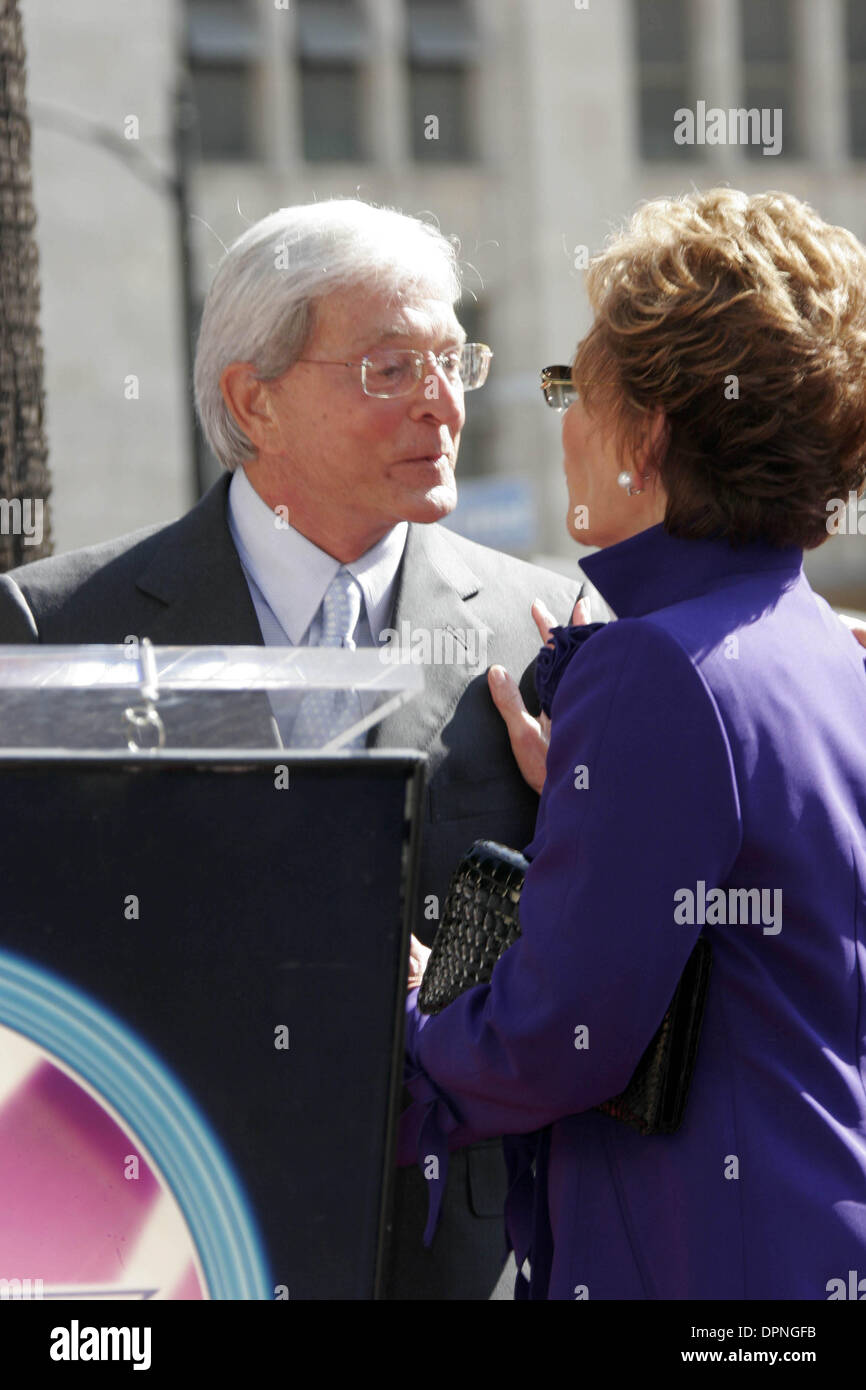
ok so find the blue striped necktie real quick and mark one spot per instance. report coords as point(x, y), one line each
point(325, 713)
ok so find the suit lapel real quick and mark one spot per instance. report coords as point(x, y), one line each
point(197, 574)
point(434, 592)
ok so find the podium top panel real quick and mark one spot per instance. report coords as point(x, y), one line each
point(148, 698)
point(134, 664)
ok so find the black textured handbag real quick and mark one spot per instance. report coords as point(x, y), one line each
point(481, 920)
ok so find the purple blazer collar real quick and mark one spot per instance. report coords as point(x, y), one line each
point(654, 569)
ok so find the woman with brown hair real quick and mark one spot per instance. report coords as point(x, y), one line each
point(706, 775)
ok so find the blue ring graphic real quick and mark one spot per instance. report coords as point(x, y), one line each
point(104, 1051)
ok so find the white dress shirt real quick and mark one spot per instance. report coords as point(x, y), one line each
point(288, 575)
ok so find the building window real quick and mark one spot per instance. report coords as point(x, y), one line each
point(334, 44)
point(443, 50)
point(663, 49)
point(769, 76)
point(222, 44)
point(855, 48)
point(330, 101)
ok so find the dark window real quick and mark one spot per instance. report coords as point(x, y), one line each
point(662, 32)
point(440, 124)
point(443, 51)
point(329, 98)
point(221, 96)
point(334, 44)
point(222, 52)
point(769, 75)
point(855, 49)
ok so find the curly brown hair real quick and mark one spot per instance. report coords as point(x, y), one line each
point(744, 320)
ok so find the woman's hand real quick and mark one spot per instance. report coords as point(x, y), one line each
point(418, 957)
point(529, 736)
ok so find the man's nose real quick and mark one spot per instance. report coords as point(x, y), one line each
point(437, 394)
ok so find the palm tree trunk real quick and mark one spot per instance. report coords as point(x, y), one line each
point(24, 478)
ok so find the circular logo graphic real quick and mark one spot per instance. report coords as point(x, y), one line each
point(113, 1184)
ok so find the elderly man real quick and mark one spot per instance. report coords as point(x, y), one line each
point(330, 379)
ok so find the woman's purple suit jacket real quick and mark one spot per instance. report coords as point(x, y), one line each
point(713, 738)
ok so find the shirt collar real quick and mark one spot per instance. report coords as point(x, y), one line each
point(653, 569)
point(293, 573)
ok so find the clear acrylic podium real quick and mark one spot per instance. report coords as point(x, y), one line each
point(203, 957)
point(149, 698)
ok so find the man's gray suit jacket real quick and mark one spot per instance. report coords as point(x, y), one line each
point(183, 584)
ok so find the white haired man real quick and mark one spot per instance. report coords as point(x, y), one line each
point(330, 378)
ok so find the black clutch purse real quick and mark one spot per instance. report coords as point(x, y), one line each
point(481, 920)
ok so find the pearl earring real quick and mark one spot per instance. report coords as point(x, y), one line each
point(626, 480)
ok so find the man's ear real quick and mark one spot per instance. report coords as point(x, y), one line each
point(248, 402)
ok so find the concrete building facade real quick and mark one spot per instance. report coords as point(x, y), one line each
point(552, 119)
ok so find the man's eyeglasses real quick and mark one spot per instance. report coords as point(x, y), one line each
point(388, 372)
point(558, 387)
